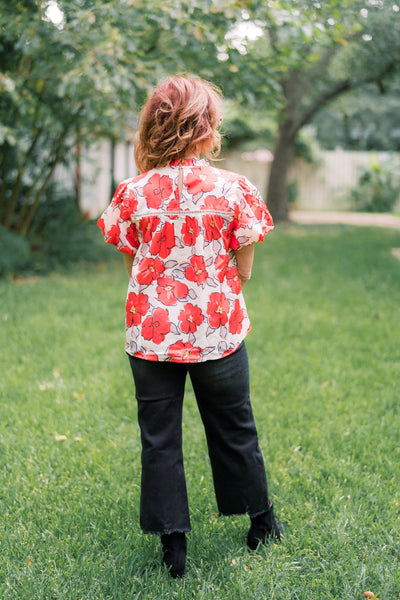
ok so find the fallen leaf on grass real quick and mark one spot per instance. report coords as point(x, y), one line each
point(46, 385)
point(396, 253)
point(60, 438)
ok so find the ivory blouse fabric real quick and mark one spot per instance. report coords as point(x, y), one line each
point(184, 300)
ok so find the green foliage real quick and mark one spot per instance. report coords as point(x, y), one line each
point(324, 361)
point(82, 76)
point(378, 187)
point(365, 119)
point(14, 252)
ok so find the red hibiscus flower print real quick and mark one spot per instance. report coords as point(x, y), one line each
point(136, 307)
point(184, 352)
point(197, 270)
point(232, 278)
point(169, 290)
point(213, 225)
point(101, 224)
point(190, 318)
point(217, 309)
point(221, 264)
point(190, 231)
point(157, 189)
point(132, 236)
point(156, 326)
point(149, 270)
point(216, 203)
point(201, 179)
point(175, 203)
point(113, 235)
point(258, 208)
point(128, 206)
point(120, 194)
point(236, 319)
point(163, 241)
point(147, 226)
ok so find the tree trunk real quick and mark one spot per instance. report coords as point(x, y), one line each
point(276, 191)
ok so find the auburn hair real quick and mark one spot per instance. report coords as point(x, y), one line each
point(179, 117)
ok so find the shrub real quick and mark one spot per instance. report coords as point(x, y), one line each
point(14, 252)
point(377, 189)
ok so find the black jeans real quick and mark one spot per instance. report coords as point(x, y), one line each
point(221, 388)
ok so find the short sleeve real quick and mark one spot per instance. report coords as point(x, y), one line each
point(116, 223)
point(252, 218)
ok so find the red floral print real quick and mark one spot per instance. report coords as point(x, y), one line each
point(163, 241)
point(136, 307)
point(236, 319)
point(190, 231)
point(197, 270)
point(201, 180)
point(157, 189)
point(213, 226)
point(217, 309)
point(184, 300)
point(184, 352)
point(113, 234)
point(232, 278)
point(149, 270)
point(132, 237)
point(190, 318)
point(157, 326)
point(221, 264)
point(256, 206)
point(128, 206)
point(169, 290)
point(212, 202)
point(147, 226)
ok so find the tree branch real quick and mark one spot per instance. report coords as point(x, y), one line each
point(324, 61)
point(339, 88)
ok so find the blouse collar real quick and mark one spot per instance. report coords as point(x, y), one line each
point(188, 162)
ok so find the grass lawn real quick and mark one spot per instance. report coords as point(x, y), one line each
point(325, 363)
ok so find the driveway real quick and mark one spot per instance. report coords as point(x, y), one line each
point(347, 218)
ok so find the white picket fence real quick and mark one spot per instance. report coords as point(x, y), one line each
point(323, 186)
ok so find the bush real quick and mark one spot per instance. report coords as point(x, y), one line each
point(14, 252)
point(377, 189)
point(59, 238)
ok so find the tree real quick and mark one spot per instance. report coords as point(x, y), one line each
point(76, 70)
point(313, 51)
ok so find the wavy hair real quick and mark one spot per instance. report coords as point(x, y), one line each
point(180, 117)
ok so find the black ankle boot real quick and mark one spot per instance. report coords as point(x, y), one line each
point(174, 552)
point(263, 527)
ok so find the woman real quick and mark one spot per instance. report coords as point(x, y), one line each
point(187, 232)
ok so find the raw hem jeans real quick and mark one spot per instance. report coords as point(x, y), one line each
point(221, 388)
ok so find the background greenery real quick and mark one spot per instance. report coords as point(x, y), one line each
point(76, 71)
point(325, 362)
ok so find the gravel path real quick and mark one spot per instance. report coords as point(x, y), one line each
point(348, 218)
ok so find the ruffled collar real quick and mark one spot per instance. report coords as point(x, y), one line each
point(189, 162)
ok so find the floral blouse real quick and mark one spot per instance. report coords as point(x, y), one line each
point(184, 300)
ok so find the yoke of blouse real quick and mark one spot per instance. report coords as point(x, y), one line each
point(183, 223)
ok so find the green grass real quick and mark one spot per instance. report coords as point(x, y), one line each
point(325, 364)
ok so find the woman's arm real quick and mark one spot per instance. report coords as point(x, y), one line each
point(129, 258)
point(244, 258)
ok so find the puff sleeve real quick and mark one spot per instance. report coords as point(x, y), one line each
point(252, 219)
point(116, 221)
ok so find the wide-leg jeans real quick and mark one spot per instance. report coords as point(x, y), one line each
point(222, 393)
